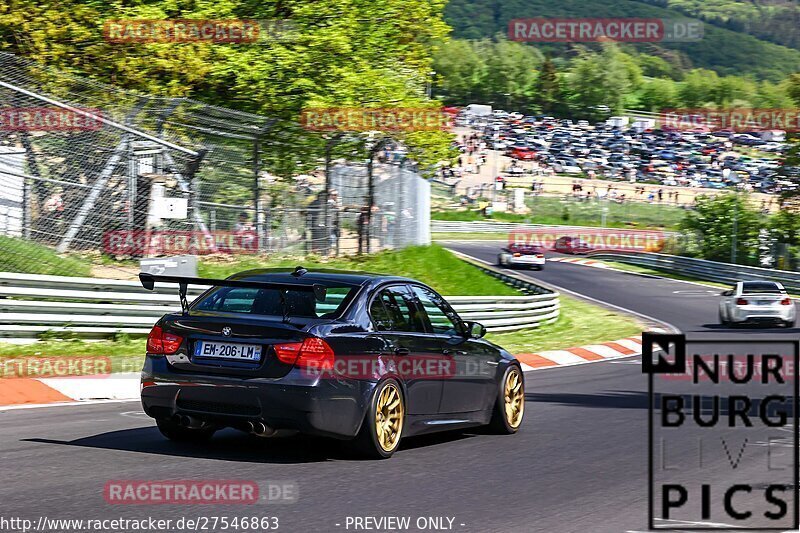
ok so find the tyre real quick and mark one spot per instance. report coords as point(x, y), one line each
point(500, 260)
point(382, 427)
point(789, 323)
point(174, 431)
point(509, 405)
point(723, 320)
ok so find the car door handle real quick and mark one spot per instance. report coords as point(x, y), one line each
point(402, 351)
point(447, 351)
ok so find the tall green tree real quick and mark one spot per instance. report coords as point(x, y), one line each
point(331, 53)
point(657, 95)
point(772, 95)
point(656, 67)
point(510, 72)
point(734, 91)
point(549, 96)
point(698, 88)
point(460, 71)
point(710, 229)
point(601, 80)
point(793, 87)
point(498, 71)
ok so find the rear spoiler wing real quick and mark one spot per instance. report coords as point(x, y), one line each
point(149, 282)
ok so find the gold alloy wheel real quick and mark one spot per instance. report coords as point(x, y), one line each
point(514, 395)
point(389, 417)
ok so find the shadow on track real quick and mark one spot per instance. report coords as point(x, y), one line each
point(749, 329)
point(232, 445)
point(610, 400)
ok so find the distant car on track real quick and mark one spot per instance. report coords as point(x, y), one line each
point(756, 302)
point(524, 255)
point(571, 245)
point(349, 355)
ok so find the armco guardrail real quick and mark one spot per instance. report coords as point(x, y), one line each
point(33, 305)
point(481, 226)
point(550, 305)
point(455, 226)
point(702, 269)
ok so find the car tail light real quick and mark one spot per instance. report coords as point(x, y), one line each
point(159, 342)
point(786, 301)
point(540, 256)
point(311, 353)
point(517, 254)
point(287, 353)
point(741, 301)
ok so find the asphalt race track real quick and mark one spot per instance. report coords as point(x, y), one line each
point(579, 463)
point(689, 307)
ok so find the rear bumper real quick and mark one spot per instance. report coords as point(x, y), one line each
point(516, 261)
point(296, 401)
point(759, 314)
point(525, 260)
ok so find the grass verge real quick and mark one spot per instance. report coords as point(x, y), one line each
point(124, 355)
point(432, 265)
point(19, 255)
point(557, 211)
point(580, 323)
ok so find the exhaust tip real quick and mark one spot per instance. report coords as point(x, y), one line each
point(261, 429)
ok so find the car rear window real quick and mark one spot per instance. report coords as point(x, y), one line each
point(267, 302)
point(525, 249)
point(761, 287)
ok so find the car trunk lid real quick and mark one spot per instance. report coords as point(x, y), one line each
point(231, 344)
point(764, 299)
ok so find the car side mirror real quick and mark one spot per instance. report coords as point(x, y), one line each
point(475, 330)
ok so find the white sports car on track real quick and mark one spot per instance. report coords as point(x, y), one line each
point(756, 302)
point(522, 255)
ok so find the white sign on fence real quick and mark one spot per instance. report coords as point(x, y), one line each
point(12, 190)
point(170, 207)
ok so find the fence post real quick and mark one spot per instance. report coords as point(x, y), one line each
point(326, 218)
point(371, 190)
point(194, 187)
point(259, 221)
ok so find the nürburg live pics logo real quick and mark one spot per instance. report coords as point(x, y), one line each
point(722, 433)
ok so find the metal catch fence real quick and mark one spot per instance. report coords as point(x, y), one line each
point(85, 167)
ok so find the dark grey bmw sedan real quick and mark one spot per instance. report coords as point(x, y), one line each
point(350, 355)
